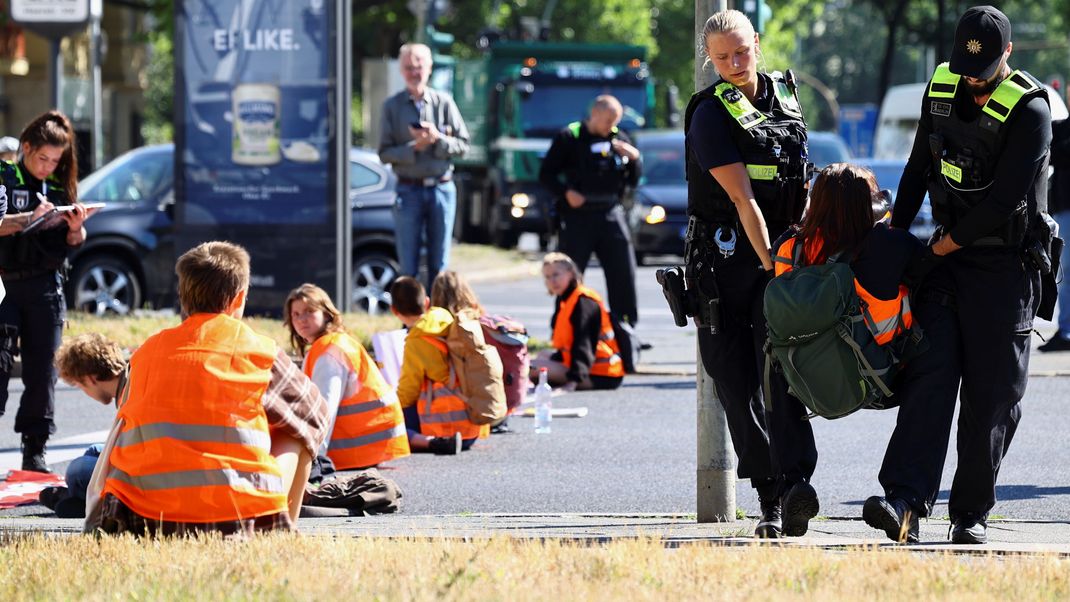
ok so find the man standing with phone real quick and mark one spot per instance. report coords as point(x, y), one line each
point(422, 131)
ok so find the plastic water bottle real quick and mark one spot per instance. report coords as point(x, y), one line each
point(543, 405)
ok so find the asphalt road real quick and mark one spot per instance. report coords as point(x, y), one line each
point(635, 450)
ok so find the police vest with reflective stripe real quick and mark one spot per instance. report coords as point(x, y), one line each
point(773, 147)
point(195, 445)
point(886, 319)
point(441, 406)
point(964, 154)
point(369, 427)
point(607, 361)
point(598, 174)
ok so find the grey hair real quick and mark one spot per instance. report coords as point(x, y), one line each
point(723, 22)
point(415, 48)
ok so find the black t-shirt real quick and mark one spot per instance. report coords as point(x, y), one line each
point(882, 261)
point(44, 248)
point(1027, 140)
point(711, 128)
point(586, 163)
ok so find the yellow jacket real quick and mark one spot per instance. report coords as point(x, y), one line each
point(422, 360)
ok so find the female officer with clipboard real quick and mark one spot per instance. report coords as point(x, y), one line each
point(747, 170)
point(32, 268)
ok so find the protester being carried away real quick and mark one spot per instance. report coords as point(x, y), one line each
point(585, 353)
point(218, 427)
point(366, 423)
point(429, 390)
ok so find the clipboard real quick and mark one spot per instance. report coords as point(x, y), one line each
point(91, 208)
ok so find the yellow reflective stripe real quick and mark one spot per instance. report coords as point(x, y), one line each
point(207, 433)
point(1009, 92)
point(944, 82)
point(384, 435)
point(951, 171)
point(761, 172)
point(201, 478)
point(741, 110)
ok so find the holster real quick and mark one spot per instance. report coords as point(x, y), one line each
point(1043, 252)
point(686, 296)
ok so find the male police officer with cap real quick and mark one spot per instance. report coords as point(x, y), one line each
point(589, 164)
point(981, 150)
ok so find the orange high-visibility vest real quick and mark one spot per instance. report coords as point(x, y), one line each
point(441, 407)
point(369, 427)
point(607, 360)
point(886, 319)
point(195, 445)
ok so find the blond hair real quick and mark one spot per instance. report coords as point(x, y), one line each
point(558, 258)
point(451, 291)
point(724, 21)
point(210, 276)
point(316, 299)
point(90, 354)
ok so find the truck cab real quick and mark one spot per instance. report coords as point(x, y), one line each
point(514, 100)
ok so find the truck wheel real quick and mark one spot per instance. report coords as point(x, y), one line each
point(373, 273)
point(102, 284)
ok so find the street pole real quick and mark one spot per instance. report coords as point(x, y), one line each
point(343, 101)
point(55, 64)
point(98, 94)
point(716, 477)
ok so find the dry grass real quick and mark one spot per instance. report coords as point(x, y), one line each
point(131, 331)
point(323, 568)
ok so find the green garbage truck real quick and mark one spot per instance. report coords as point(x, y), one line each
point(514, 98)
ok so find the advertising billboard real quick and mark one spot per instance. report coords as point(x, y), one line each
point(257, 137)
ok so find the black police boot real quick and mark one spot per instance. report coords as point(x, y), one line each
point(800, 505)
point(769, 526)
point(969, 530)
point(33, 453)
point(895, 517)
point(446, 446)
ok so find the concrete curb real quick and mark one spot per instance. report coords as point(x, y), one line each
point(1019, 537)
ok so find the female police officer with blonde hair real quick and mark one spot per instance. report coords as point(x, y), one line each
point(746, 171)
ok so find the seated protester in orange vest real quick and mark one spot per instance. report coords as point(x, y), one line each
point(367, 426)
point(218, 427)
point(98, 366)
point(428, 388)
point(585, 354)
point(845, 219)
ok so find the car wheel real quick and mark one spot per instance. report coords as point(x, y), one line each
point(373, 273)
point(103, 284)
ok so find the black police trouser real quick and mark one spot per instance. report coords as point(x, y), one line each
point(32, 314)
point(775, 449)
point(976, 311)
point(604, 233)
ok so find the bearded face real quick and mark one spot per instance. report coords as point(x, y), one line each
point(984, 87)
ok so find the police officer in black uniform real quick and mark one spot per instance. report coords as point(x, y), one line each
point(981, 151)
point(33, 252)
point(589, 165)
point(747, 170)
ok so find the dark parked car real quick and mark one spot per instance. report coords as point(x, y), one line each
point(128, 258)
point(659, 217)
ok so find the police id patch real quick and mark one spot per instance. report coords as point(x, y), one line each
point(20, 199)
point(942, 109)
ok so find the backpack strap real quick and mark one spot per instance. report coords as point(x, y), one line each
point(867, 368)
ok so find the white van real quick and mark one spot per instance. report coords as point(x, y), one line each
point(898, 119)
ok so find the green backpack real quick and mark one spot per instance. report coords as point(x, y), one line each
point(819, 339)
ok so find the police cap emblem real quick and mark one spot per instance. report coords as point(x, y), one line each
point(973, 47)
point(733, 95)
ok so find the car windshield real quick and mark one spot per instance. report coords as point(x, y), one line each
point(137, 176)
point(825, 150)
point(663, 163)
point(549, 107)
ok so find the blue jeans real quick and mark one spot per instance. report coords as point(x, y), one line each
point(424, 214)
point(1063, 219)
point(80, 470)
